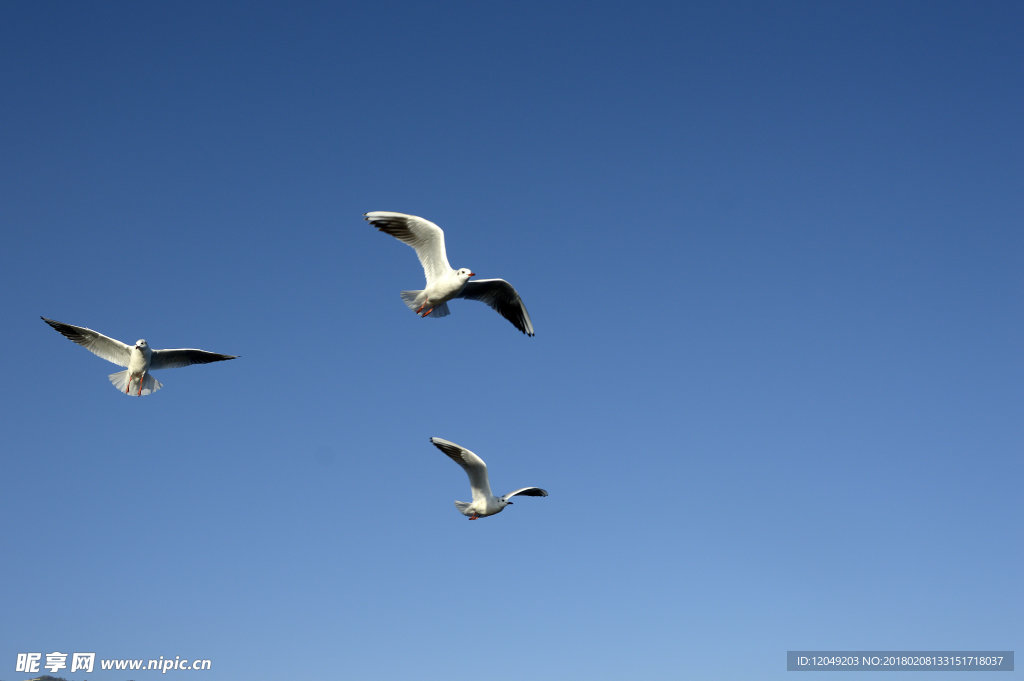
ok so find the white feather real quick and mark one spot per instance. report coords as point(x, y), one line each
point(149, 384)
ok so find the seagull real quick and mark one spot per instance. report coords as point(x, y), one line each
point(139, 358)
point(484, 503)
point(443, 282)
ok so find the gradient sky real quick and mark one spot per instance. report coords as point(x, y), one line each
point(772, 251)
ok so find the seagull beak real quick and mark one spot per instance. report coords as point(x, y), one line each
point(472, 274)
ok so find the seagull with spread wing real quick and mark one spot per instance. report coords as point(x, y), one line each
point(443, 282)
point(484, 503)
point(139, 358)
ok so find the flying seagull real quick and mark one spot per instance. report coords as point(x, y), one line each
point(444, 283)
point(139, 358)
point(484, 503)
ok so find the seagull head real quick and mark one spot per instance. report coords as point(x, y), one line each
point(464, 273)
point(141, 344)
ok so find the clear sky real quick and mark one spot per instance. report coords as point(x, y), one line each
point(772, 251)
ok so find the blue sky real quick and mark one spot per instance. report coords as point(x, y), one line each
point(772, 252)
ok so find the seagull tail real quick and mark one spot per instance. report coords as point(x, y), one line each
point(120, 381)
point(413, 300)
point(462, 506)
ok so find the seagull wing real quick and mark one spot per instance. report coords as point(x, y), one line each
point(500, 295)
point(95, 342)
point(528, 492)
point(183, 357)
point(474, 466)
point(423, 235)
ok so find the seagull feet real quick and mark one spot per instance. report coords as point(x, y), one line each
point(473, 517)
point(425, 303)
point(139, 394)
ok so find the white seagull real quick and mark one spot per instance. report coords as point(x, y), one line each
point(484, 503)
point(139, 358)
point(443, 282)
